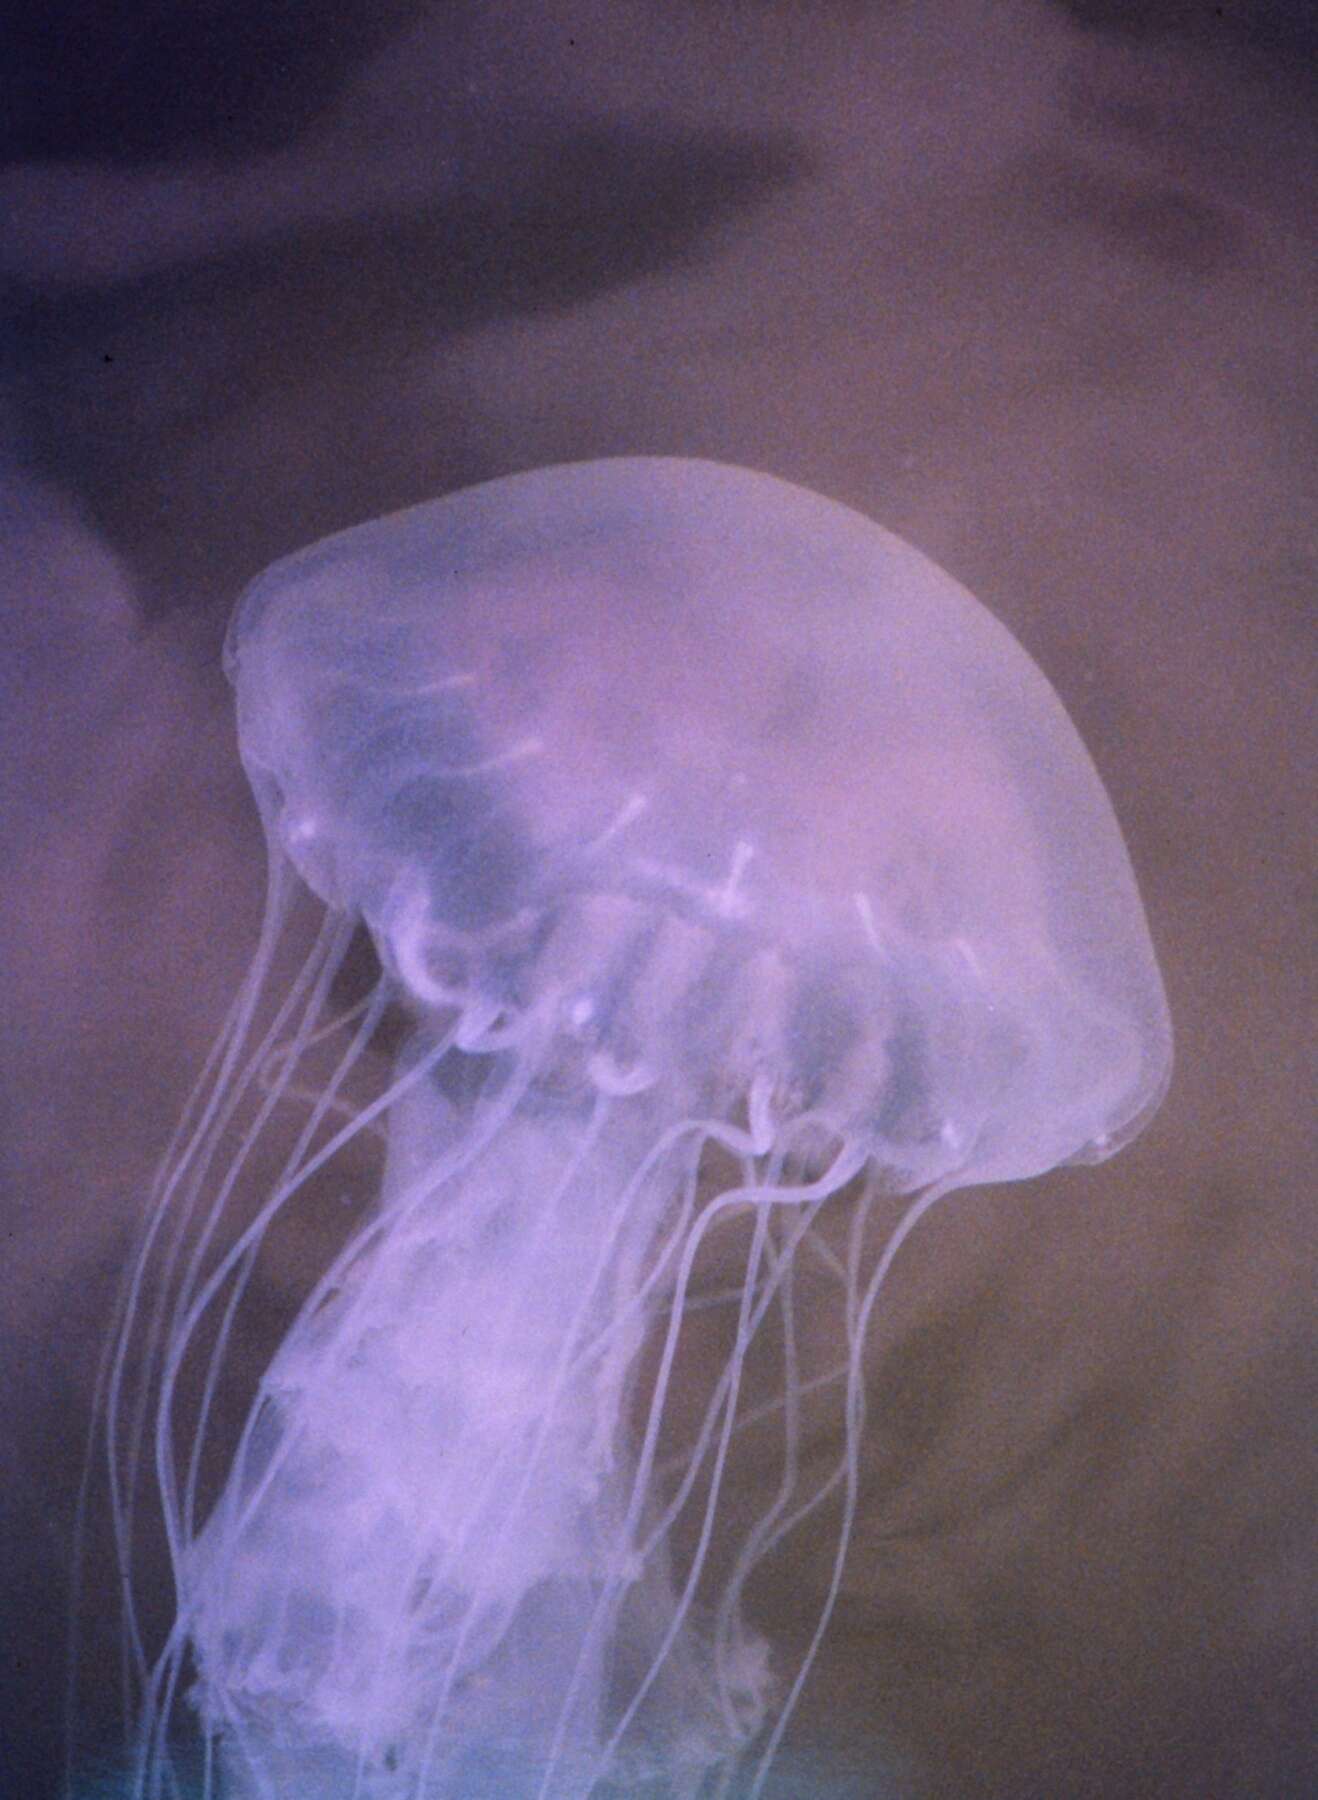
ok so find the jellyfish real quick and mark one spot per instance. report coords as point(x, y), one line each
point(721, 861)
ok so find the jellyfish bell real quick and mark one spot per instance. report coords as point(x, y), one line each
point(686, 811)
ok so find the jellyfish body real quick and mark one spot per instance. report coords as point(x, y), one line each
point(687, 811)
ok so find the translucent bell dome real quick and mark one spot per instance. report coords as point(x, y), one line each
point(746, 793)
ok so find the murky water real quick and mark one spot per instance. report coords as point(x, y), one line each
point(1037, 296)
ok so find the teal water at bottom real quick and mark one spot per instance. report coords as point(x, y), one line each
point(851, 1774)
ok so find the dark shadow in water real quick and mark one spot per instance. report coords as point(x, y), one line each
point(132, 81)
point(1286, 31)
